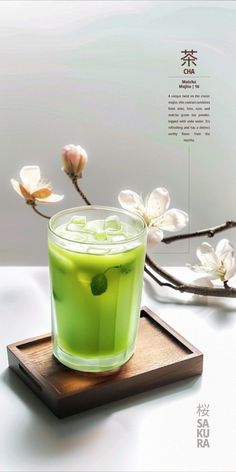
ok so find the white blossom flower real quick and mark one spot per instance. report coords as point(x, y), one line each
point(155, 212)
point(203, 282)
point(216, 263)
point(74, 160)
point(34, 189)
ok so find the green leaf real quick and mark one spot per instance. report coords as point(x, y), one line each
point(125, 269)
point(98, 284)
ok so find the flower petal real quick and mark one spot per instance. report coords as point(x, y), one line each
point(224, 248)
point(16, 187)
point(154, 236)
point(158, 202)
point(173, 220)
point(42, 193)
point(207, 256)
point(230, 267)
point(208, 271)
point(195, 268)
point(25, 193)
point(53, 198)
point(203, 282)
point(131, 201)
point(74, 160)
point(225, 252)
point(30, 176)
point(44, 183)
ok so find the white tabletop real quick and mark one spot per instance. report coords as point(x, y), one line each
point(153, 431)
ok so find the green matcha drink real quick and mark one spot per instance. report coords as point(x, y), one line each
point(96, 258)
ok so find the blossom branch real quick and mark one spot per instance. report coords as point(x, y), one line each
point(159, 282)
point(178, 285)
point(155, 210)
point(162, 272)
point(83, 196)
point(209, 232)
point(33, 206)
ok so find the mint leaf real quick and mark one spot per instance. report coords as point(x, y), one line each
point(98, 284)
point(125, 269)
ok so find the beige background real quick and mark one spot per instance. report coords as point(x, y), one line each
point(96, 73)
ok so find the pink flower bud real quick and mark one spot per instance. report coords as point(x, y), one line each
point(74, 160)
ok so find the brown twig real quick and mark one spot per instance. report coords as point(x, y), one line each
point(33, 206)
point(178, 285)
point(83, 196)
point(162, 272)
point(209, 232)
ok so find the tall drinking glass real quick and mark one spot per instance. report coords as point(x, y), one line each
point(96, 260)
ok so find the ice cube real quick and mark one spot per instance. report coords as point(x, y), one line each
point(98, 250)
point(117, 238)
point(100, 235)
point(73, 227)
point(63, 234)
point(77, 237)
point(117, 249)
point(79, 220)
point(112, 231)
point(113, 222)
point(95, 226)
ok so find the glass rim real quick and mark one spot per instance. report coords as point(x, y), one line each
point(98, 207)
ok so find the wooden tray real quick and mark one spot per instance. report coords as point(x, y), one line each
point(162, 356)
